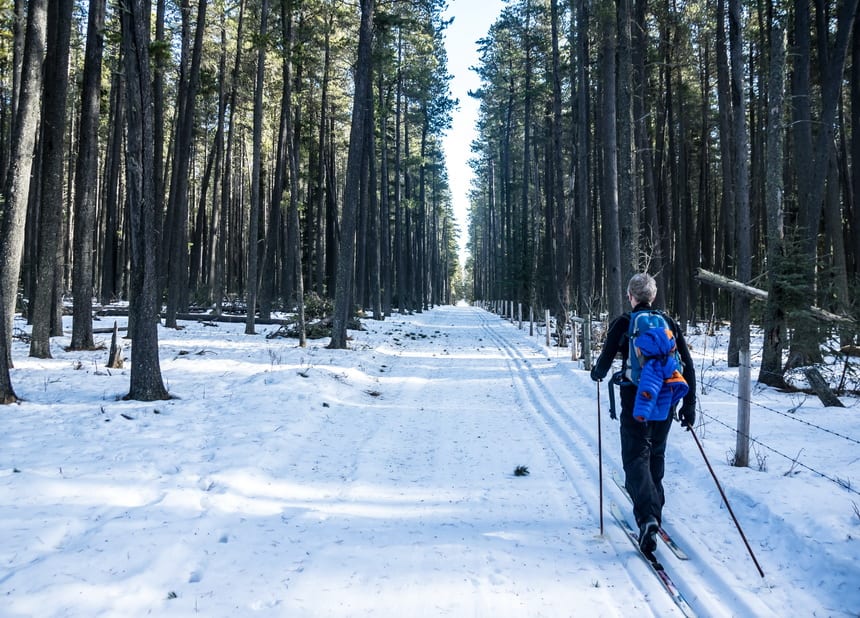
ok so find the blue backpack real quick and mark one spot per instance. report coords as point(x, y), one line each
point(642, 322)
point(653, 365)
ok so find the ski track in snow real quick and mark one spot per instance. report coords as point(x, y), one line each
point(575, 445)
point(376, 481)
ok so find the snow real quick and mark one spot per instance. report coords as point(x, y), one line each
point(378, 481)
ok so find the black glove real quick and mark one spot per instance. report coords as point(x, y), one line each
point(687, 415)
point(595, 375)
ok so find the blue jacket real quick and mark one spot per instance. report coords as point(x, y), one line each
point(661, 385)
point(617, 343)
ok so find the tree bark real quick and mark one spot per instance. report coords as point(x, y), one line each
point(725, 239)
point(111, 267)
point(44, 301)
point(221, 267)
point(215, 237)
point(560, 258)
point(820, 387)
point(582, 186)
point(86, 175)
point(399, 216)
point(628, 205)
point(740, 140)
point(177, 233)
point(16, 188)
point(360, 116)
point(812, 175)
point(256, 171)
point(293, 157)
point(610, 223)
point(146, 383)
point(770, 371)
point(649, 240)
point(854, 201)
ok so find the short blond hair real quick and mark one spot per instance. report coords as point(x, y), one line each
point(643, 288)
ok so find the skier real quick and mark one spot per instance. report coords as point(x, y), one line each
point(643, 443)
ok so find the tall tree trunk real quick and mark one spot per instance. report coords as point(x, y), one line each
point(582, 208)
point(280, 183)
point(421, 240)
point(812, 177)
point(146, 383)
point(375, 231)
point(610, 225)
point(86, 181)
point(384, 204)
point(332, 224)
point(256, 171)
point(360, 117)
point(725, 240)
point(740, 141)
point(215, 238)
point(158, 63)
point(52, 185)
point(111, 268)
point(523, 227)
point(203, 225)
point(222, 270)
point(16, 186)
point(293, 156)
point(627, 195)
point(177, 205)
point(560, 257)
point(770, 371)
point(322, 232)
point(399, 216)
point(834, 222)
point(854, 202)
point(651, 228)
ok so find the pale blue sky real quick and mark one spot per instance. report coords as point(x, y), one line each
point(472, 20)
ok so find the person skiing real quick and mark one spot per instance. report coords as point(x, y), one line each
point(643, 443)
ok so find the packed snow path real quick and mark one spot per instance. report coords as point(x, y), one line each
point(373, 481)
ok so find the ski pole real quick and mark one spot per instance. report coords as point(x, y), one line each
point(726, 501)
point(600, 457)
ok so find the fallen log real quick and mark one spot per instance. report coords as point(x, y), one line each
point(820, 387)
point(758, 294)
point(850, 350)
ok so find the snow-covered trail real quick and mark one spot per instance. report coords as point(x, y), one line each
point(373, 481)
point(436, 522)
point(563, 402)
point(463, 536)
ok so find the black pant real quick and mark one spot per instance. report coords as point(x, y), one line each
point(643, 449)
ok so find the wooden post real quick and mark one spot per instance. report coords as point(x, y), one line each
point(520, 316)
point(586, 342)
point(575, 323)
point(547, 328)
point(742, 447)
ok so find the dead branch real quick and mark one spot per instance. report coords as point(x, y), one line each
point(737, 287)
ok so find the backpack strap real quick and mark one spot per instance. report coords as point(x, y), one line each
point(619, 379)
